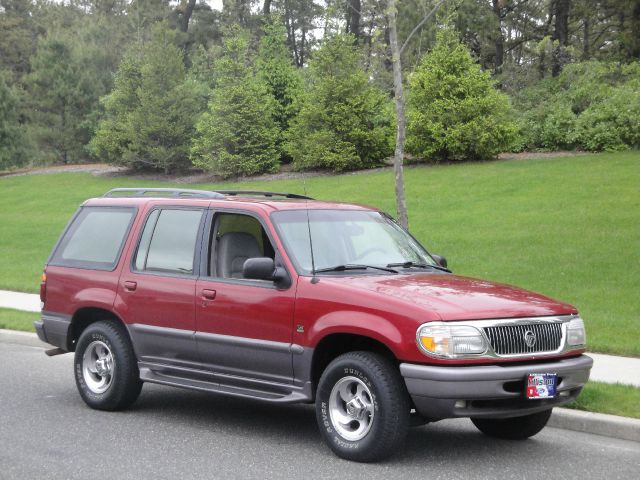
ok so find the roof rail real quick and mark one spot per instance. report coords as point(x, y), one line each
point(263, 194)
point(162, 192)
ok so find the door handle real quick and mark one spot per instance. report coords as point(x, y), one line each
point(208, 294)
point(130, 286)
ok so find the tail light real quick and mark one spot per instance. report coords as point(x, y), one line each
point(43, 287)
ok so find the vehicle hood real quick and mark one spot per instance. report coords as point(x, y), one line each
point(453, 297)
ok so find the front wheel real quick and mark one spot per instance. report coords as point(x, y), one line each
point(516, 428)
point(105, 367)
point(362, 407)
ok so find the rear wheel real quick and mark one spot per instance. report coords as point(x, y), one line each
point(106, 368)
point(362, 407)
point(516, 428)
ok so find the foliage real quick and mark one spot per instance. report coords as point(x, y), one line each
point(344, 121)
point(275, 69)
point(591, 105)
point(237, 135)
point(455, 113)
point(150, 113)
point(61, 92)
point(13, 142)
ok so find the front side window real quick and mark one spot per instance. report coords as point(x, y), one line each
point(168, 241)
point(236, 238)
point(346, 237)
point(95, 238)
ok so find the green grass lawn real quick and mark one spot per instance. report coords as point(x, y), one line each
point(567, 227)
point(614, 399)
point(17, 320)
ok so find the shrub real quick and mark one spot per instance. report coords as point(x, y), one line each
point(237, 135)
point(591, 105)
point(454, 111)
point(150, 114)
point(344, 121)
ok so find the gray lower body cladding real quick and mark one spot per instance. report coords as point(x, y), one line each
point(489, 391)
point(53, 329)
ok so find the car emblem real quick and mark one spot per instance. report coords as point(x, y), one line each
point(529, 338)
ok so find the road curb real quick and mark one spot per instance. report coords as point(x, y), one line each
point(22, 338)
point(597, 423)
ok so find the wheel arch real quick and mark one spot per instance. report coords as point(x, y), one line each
point(86, 316)
point(336, 344)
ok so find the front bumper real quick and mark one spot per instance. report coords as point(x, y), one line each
point(490, 391)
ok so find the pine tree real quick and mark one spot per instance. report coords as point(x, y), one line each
point(344, 122)
point(150, 114)
point(276, 70)
point(13, 142)
point(455, 113)
point(237, 134)
point(62, 94)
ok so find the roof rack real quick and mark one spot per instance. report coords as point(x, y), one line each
point(162, 192)
point(258, 193)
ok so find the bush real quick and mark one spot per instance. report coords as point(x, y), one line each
point(344, 121)
point(591, 106)
point(454, 111)
point(150, 114)
point(237, 135)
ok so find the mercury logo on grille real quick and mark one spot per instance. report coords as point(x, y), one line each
point(530, 338)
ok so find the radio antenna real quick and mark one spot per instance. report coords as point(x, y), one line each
point(313, 263)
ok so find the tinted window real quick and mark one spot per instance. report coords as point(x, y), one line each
point(95, 238)
point(168, 241)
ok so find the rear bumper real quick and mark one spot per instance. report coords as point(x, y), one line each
point(490, 391)
point(54, 329)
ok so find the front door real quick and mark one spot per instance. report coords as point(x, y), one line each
point(244, 327)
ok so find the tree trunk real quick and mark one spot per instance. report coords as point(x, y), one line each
point(353, 18)
point(498, 59)
point(266, 8)
point(186, 9)
point(561, 35)
point(585, 40)
point(398, 159)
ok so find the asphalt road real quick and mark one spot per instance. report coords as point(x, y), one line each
point(47, 432)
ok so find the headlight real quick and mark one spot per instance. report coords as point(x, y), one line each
point(576, 334)
point(450, 341)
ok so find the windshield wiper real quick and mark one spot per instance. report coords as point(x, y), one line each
point(411, 264)
point(353, 266)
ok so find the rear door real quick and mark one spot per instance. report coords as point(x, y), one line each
point(157, 289)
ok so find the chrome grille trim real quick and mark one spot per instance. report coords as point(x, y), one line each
point(510, 339)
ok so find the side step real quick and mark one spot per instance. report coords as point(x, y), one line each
point(148, 375)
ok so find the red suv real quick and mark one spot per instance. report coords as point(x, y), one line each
point(285, 299)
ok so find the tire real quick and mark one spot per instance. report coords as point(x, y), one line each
point(516, 428)
point(106, 368)
point(374, 424)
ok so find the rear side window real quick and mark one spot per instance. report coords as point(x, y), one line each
point(168, 241)
point(95, 238)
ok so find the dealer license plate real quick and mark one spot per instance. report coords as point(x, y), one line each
point(541, 385)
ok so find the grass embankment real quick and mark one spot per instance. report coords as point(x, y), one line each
point(17, 320)
point(614, 399)
point(567, 227)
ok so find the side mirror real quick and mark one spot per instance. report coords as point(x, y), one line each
point(259, 268)
point(440, 260)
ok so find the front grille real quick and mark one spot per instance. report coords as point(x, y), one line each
point(511, 339)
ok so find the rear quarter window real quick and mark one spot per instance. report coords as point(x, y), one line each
point(95, 238)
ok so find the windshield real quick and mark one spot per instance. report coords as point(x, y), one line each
point(346, 237)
